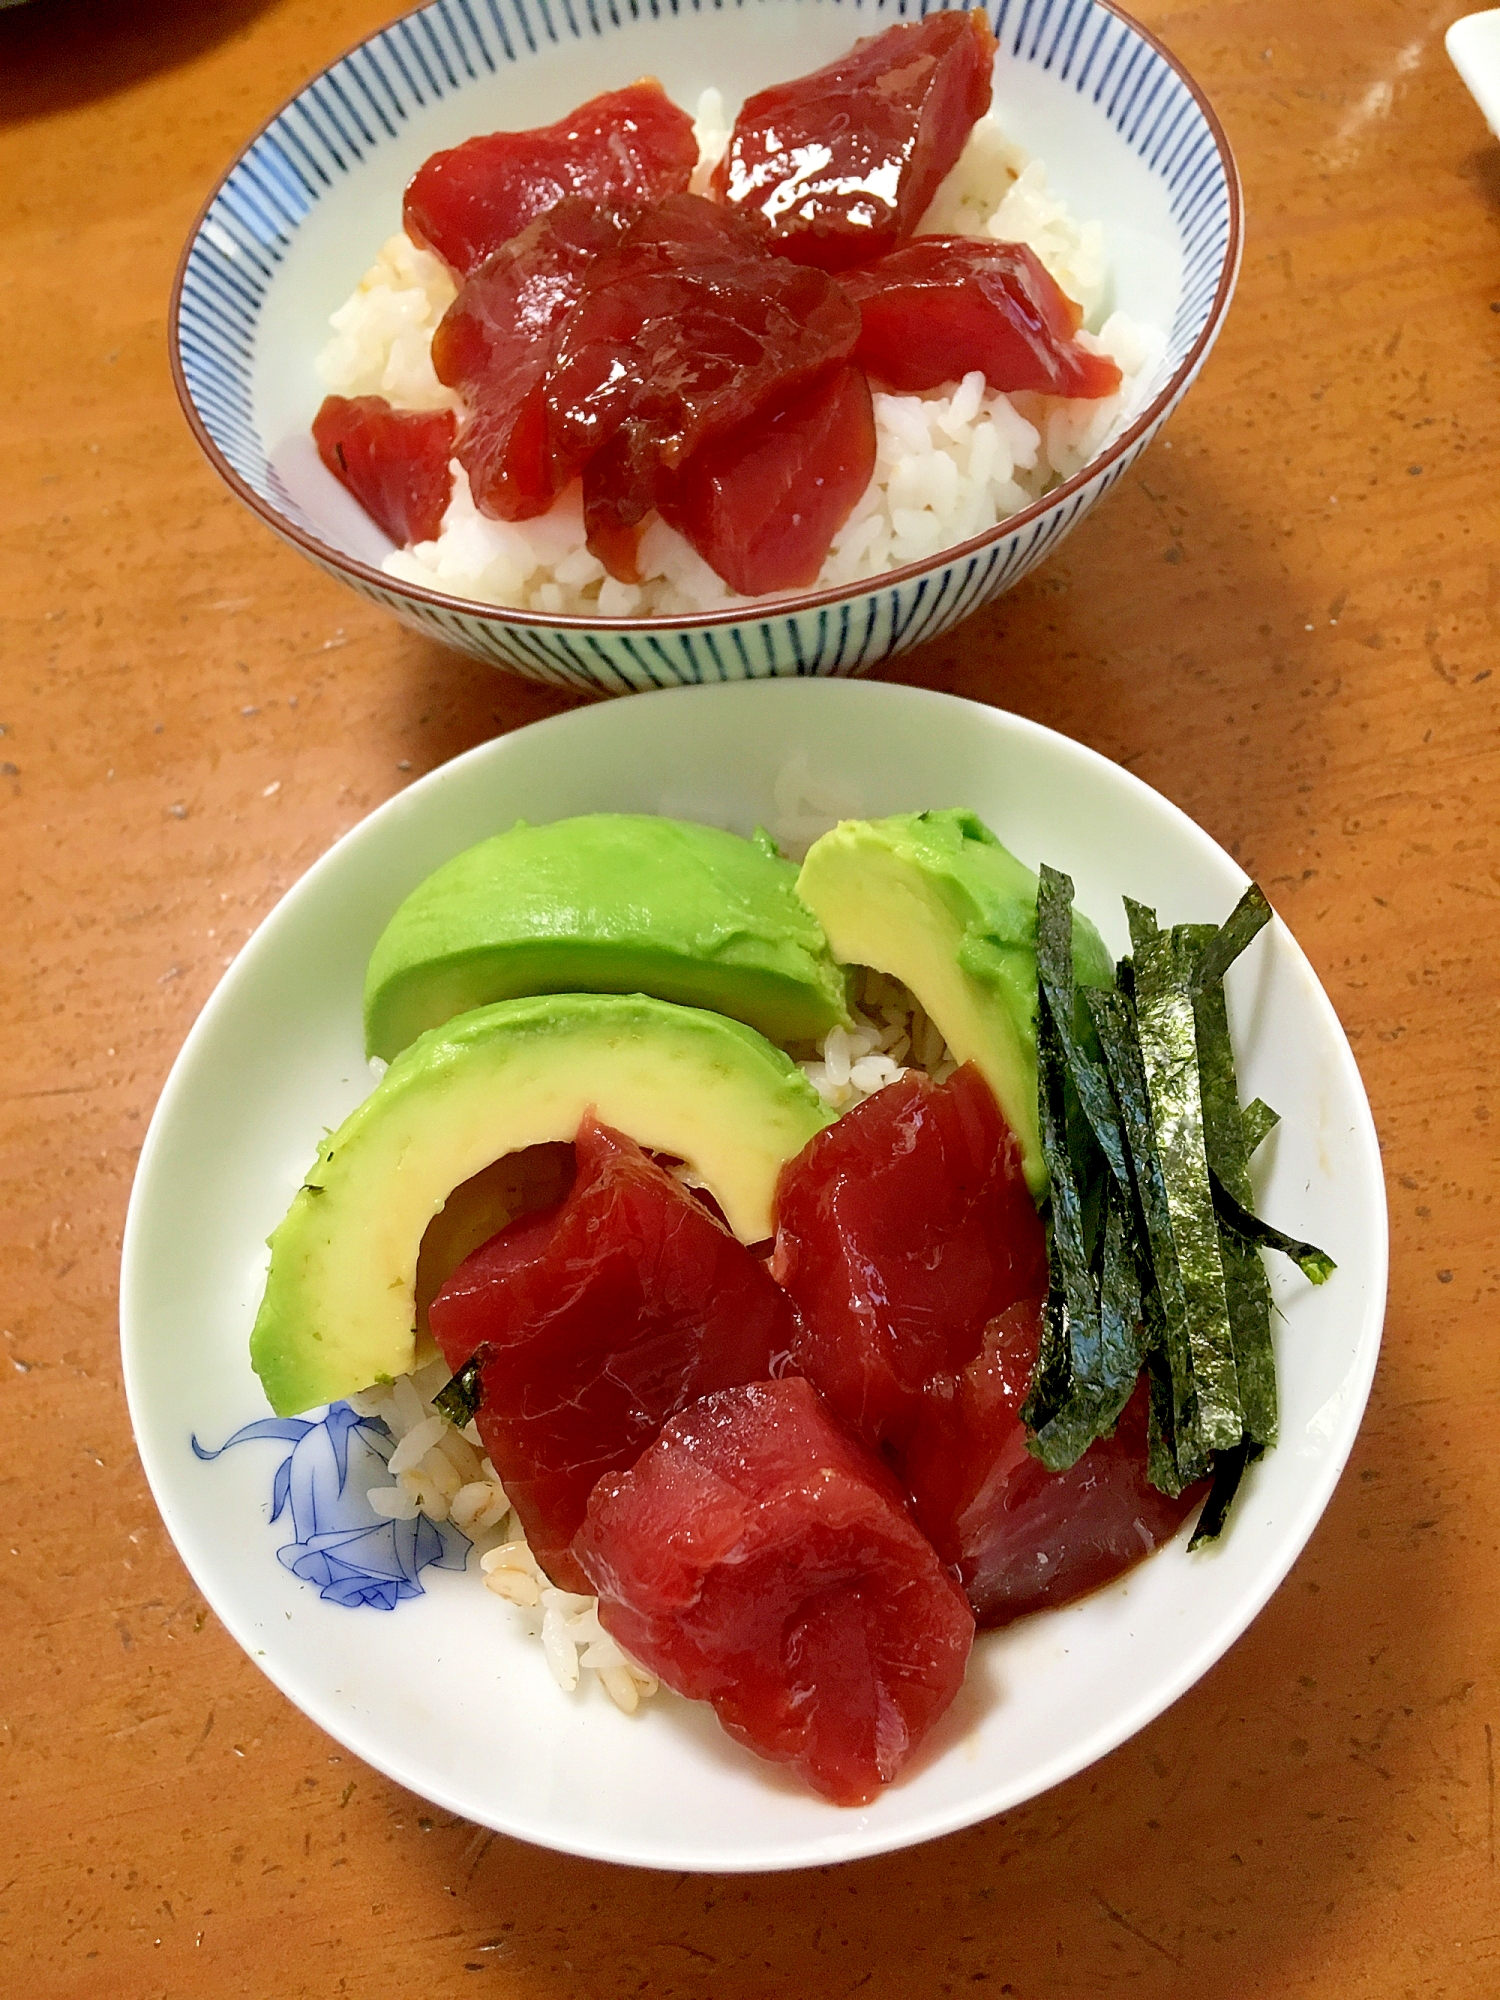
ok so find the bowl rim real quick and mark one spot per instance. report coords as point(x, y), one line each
point(792, 604)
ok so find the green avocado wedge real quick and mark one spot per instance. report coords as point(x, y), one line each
point(339, 1308)
point(607, 903)
point(934, 900)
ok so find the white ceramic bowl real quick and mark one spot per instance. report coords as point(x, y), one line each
point(443, 1693)
point(1127, 139)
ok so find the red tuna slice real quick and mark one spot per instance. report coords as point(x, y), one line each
point(495, 343)
point(629, 145)
point(394, 462)
point(763, 505)
point(1026, 1539)
point(902, 1231)
point(940, 306)
point(685, 332)
point(602, 1318)
point(912, 1249)
point(843, 163)
point(760, 1559)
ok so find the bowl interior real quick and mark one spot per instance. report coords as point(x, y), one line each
point(444, 1693)
point(302, 215)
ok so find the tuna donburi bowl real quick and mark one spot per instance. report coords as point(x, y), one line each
point(444, 1690)
point(813, 514)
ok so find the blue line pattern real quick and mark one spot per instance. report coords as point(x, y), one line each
point(360, 104)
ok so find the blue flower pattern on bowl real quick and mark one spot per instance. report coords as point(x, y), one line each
point(352, 1554)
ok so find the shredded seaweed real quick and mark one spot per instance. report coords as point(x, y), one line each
point(459, 1399)
point(1248, 917)
point(1054, 964)
point(1070, 1318)
point(1164, 1302)
point(1259, 1121)
point(1230, 1468)
point(1104, 1368)
point(1122, 1318)
point(1246, 1287)
point(1164, 965)
point(1154, 1251)
point(1142, 921)
point(1161, 1449)
point(1315, 1265)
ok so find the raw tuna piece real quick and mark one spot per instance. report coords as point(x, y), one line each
point(494, 346)
point(1024, 1538)
point(942, 305)
point(902, 1231)
point(918, 1264)
point(683, 333)
point(602, 1318)
point(758, 1558)
point(394, 462)
point(843, 163)
point(762, 505)
point(626, 146)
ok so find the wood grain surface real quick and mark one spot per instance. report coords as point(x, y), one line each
point(1286, 619)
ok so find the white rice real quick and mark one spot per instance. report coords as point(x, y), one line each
point(891, 1034)
point(950, 463)
point(442, 1472)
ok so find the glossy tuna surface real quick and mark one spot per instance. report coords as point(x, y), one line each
point(840, 164)
point(622, 146)
point(939, 306)
point(394, 462)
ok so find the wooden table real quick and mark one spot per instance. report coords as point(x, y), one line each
point(1285, 618)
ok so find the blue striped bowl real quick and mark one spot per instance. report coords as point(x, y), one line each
point(1127, 138)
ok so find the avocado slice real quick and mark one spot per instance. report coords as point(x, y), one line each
point(339, 1306)
point(607, 903)
point(934, 900)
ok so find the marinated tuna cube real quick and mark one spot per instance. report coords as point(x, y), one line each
point(758, 1558)
point(394, 462)
point(494, 346)
point(902, 1231)
point(763, 505)
point(600, 1319)
point(942, 305)
point(683, 333)
point(842, 164)
point(629, 145)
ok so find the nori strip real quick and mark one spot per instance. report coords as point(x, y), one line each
point(1164, 966)
point(1054, 964)
point(1142, 921)
point(460, 1398)
point(1161, 1455)
point(1315, 1265)
point(1070, 1318)
point(1103, 1374)
point(1230, 1468)
point(1248, 917)
point(1165, 1300)
point(1154, 1252)
point(1245, 1284)
point(1259, 1121)
point(1123, 1335)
